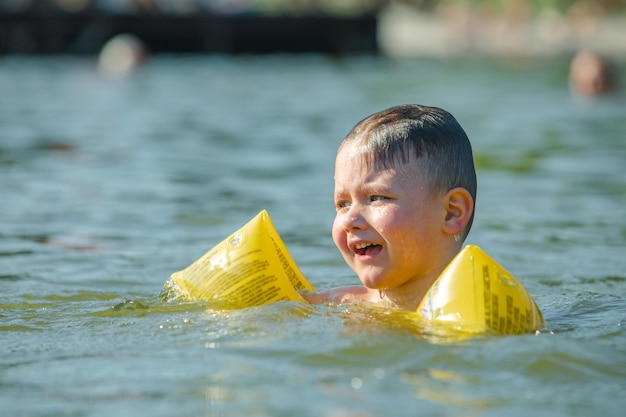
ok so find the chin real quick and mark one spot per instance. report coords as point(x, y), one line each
point(373, 284)
point(372, 277)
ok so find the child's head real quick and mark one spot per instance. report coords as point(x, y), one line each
point(430, 135)
point(405, 187)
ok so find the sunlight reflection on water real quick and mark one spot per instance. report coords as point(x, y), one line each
point(111, 185)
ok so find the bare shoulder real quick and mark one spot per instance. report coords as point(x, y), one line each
point(348, 294)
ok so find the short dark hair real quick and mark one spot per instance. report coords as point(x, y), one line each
point(429, 134)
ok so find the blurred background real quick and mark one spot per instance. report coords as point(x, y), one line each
point(395, 27)
point(137, 134)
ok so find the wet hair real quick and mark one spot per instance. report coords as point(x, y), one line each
point(429, 134)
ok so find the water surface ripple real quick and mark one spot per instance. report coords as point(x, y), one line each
point(110, 185)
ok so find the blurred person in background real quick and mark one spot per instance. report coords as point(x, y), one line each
point(591, 74)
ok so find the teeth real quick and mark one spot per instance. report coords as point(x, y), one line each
point(363, 245)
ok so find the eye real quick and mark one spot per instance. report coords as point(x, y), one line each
point(342, 204)
point(378, 198)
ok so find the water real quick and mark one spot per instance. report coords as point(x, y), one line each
point(110, 185)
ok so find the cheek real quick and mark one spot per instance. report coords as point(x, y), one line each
point(390, 220)
point(339, 236)
point(399, 226)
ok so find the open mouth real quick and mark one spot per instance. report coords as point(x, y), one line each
point(367, 249)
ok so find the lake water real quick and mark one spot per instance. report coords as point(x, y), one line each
point(110, 185)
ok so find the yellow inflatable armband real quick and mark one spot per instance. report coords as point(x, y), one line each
point(475, 294)
point(250, 267)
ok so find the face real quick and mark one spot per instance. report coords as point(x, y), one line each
point(388, 225)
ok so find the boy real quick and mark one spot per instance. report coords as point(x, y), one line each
point(405, 187)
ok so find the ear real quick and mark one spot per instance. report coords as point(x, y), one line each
point(459, 209)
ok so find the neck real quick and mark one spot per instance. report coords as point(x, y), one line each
point(408, 296)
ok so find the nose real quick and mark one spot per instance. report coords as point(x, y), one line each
point(353, 218)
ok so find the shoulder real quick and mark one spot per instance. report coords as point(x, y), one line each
point(348, 294)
